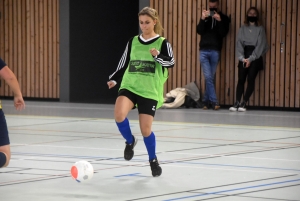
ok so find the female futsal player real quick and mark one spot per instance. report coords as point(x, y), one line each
point(142, 69)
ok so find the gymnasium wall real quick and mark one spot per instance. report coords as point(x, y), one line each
point(277, 86)
point(98, 32)
point(29, 44)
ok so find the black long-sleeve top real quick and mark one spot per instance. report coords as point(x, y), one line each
point(165, 57)
point(212, 32)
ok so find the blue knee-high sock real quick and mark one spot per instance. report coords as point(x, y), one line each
point(125, 130)
point(150, 145)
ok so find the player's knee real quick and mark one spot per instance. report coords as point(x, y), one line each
point(146, 131)
point(3, 160)
point(119, 116)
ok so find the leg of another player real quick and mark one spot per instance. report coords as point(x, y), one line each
point(4, 155)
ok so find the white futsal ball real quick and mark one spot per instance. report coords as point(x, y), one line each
point(82, 171)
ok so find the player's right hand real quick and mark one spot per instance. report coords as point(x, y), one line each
point(19, 103)
point(111, 84)
point(205, 14)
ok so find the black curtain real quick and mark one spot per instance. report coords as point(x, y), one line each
point(99, 31)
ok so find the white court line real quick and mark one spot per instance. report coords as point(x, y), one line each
point(238, 170)
point(142, 164)
point(165, 110)
point(207, 154)
point(70, 147)
point(207, 125)
point(65, 107)
point(170, 153)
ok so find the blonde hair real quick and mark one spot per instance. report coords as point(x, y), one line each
point(154, 15)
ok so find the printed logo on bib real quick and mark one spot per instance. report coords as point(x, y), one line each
point(136, 66)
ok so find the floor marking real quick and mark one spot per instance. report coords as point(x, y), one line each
point(235, 189)
point(164, 163)
point(166, 122)
point(132, 175)
point(218, 186)
point(165, 110)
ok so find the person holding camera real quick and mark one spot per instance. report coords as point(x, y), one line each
point(251, 44)
point(213, 27)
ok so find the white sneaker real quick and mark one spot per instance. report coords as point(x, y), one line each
point(242, 107)
point(235, 107)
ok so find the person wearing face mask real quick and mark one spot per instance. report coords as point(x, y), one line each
point(251, 44)
point(213, 27)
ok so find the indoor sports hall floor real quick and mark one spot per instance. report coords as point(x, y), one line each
point(205, 155)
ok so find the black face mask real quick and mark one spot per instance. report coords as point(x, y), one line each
point(252, 19)
point(213, 9)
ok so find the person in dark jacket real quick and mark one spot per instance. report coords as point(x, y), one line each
point(213, 27)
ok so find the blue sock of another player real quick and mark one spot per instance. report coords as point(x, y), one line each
point(150, 145)
point(125, 130)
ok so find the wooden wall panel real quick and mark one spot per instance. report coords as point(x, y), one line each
point(276, 86)
point(266, 19)
point(263, 91)
point(297, 82)
point(293, 31)
point(287, 76)
point(29, 43)
point(194, 44)
point(174, 41)
point(199, 73)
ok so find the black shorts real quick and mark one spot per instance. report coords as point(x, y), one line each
point(144, 105)
point(4, 140)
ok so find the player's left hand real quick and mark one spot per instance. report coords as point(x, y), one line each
point(217, 16)
point(154, 52)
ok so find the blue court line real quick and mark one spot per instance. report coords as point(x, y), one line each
point(235, 189)
point(240, 166)
point(131, 175)
point(128, 175)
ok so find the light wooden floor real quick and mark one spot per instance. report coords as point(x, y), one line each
point(205, 155)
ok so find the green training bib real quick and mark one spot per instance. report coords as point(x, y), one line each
point(144, 76)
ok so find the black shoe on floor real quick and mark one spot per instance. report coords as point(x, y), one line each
point(128, 152)
point(205, 105)
point(155, 168)
point(215, 106)
point(235, 107)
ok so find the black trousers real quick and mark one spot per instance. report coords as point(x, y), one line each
point(249, 73)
